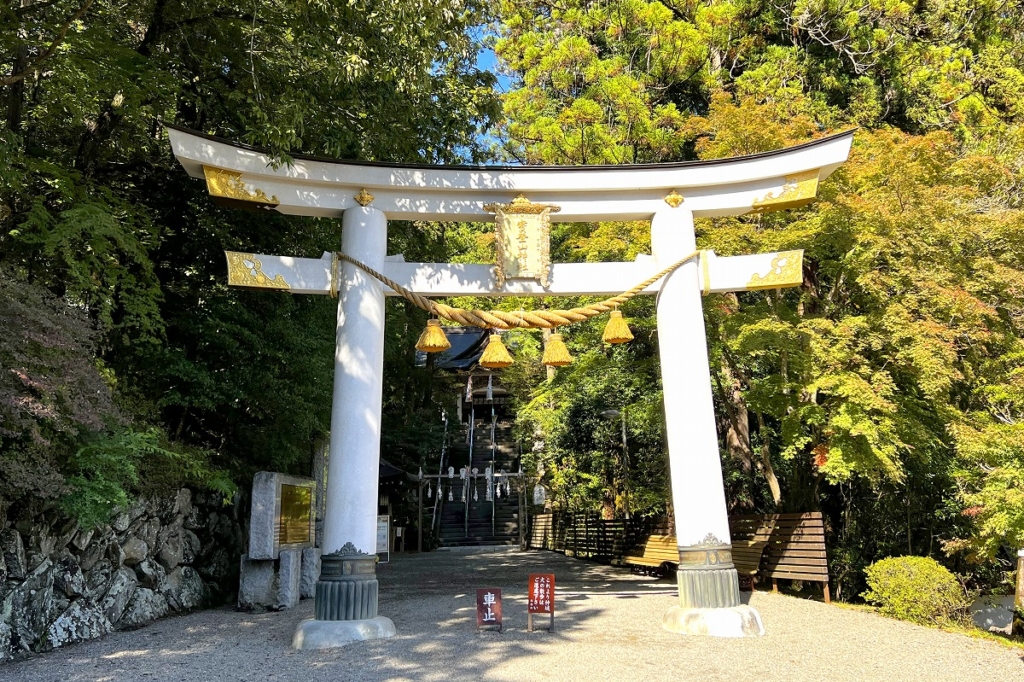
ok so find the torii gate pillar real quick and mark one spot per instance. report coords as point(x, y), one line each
point(346, 593)
point(709, 596)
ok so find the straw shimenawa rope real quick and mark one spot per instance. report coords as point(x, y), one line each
point(500, 319)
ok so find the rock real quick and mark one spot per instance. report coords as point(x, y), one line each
point(994, 613)
point(33, 606)
point(310, 572)
point(83, 538)
point(150, 574)
point(190, 547)
point(289, 578)
point(257, 585)
point(135, 551)
point(169, 544)
point(228, 531)
point(3, 569)
point(97, 580)
point(138, 508)
point(68, 531)
point(68, 578)
point(82, 620)
point(121, 522)
point(217, 566)
point(6, 599)
point(183, 589)
point(6, 646)
point(194, 520)
point(145, 606)
point(14, 553)
point(116, 600)
point(115, 554)
point(149, 532)
point(34, 560)
point(133, 529)
point(89, 558)
point(41, 544)
point(183, 502)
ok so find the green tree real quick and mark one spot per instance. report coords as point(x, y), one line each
point(885, 390)
point(94, 209)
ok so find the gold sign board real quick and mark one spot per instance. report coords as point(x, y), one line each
point(293, 523)
point(522, 239)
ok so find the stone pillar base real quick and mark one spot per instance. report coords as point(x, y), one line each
point(737, 621)
point(326, 634)
point(346, 603)
point(711, 588)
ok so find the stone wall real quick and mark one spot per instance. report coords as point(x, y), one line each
point(61, 583)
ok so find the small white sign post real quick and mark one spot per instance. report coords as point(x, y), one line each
point(671, 195)
point(384, 538)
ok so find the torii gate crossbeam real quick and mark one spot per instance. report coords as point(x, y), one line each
point(366, 195)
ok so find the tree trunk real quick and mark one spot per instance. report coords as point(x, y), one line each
point(16, 93)
point(766, 461)
point(97, 133)
point(737, 433)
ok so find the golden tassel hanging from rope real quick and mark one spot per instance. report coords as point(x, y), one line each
point(617, 331)
point(555, 352)
point(495, 356)
point(433, 339)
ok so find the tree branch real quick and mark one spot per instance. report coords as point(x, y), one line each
point(35, 63)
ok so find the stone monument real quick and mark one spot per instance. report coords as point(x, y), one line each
point(282, 564)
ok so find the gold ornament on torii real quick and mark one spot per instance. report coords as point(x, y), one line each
point(522, 240)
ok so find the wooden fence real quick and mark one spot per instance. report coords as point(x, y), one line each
point(588, 536)
point(795, 548)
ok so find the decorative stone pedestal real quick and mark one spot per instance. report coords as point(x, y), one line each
point(709, 595)
point(346, 603)
point(738, 621)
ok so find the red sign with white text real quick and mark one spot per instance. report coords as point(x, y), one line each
point(542, 593)
point(488, 607)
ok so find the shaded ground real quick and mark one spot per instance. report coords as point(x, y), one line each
point(607, 629)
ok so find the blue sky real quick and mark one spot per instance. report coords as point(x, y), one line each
point(488, 61)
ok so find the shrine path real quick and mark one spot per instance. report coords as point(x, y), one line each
point(607, 629)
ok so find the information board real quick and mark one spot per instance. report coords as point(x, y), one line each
point(294, 525)
point(383, 538)
point(541, 598)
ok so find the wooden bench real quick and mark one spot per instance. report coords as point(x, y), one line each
point(796, 551)
point(660, 551)
point(750, 535)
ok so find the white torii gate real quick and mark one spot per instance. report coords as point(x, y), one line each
point(366, 195)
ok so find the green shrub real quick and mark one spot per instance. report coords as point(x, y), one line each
point(918, 589)
point(105, 473)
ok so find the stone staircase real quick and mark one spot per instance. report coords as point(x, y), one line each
point(454, 531)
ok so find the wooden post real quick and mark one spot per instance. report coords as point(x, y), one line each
point(1018, 601)
point(522, 516)
point(419, 519)
point(828, 593)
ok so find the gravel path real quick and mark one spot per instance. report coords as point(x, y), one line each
point(607, 628)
